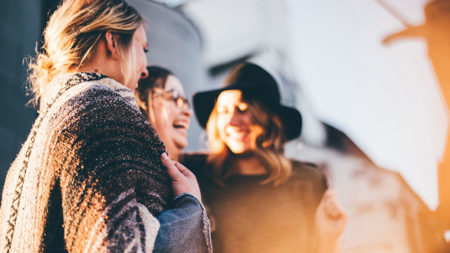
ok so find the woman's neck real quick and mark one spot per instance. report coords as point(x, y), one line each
point(103, 63)
point(249, 165)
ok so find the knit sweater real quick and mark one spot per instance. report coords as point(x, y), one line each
point(89, 177)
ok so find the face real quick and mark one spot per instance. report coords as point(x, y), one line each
point(170, 118)
point(234, 122)
point(139, 44)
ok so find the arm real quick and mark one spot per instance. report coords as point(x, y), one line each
point(185, 227)
point(113, 182)
point(330, 221)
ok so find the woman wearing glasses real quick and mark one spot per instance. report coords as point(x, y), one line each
point(161, 99)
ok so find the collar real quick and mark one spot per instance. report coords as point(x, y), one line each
point(64, 82)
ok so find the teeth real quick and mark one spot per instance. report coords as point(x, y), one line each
point(180, 125)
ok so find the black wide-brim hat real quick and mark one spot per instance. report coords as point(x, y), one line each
point(255, 83)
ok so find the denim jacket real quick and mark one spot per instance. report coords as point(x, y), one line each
point(184, 228)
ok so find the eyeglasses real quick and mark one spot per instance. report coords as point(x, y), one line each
point(172, 95)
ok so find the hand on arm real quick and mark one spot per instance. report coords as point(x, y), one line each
point(183, 180)
point(185, 227)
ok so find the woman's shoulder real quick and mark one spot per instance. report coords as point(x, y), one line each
point(304, 167)
point(105, 88)
point(194, 157)
point(195, 161)
point(95, 103)
point(307, 171)
point(77, 90)
point(309, 181)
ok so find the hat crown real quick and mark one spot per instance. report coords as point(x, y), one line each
point(254, 81)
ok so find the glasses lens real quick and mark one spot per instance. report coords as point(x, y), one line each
point(173, 95)
point(181, 102)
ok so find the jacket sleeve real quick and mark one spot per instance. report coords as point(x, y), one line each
point(184, 228)
point(112, 180)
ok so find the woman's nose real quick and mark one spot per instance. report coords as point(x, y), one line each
point(187, 111)
point(235, 119)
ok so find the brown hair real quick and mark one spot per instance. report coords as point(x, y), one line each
point(72, 34)
point(157, 78)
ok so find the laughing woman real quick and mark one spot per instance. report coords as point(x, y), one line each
point(161, 99)
point(90, 177)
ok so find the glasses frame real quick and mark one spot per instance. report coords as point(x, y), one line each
point(172, 95)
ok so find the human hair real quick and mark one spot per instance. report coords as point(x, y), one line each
point(72, 34)
point(157, 78)
point(268, 146)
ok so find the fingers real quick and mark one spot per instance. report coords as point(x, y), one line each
point(173, 171)
point(332, 207)
point(330, 218)
point(185, 171)
point(326, 198)
point(183, 180)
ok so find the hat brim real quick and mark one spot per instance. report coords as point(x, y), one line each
point(204, 103)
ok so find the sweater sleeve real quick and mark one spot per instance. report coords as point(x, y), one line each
point(313, 186)
point(112, 180)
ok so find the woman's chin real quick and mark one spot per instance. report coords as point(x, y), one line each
point(180, 144)
point(238, 147)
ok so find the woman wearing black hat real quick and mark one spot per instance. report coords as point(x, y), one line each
point(259, 200)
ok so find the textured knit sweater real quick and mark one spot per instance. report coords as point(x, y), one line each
point(89, 177)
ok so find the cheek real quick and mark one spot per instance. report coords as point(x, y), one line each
point(247, 120)
point(161, 117)
point(144, 59)
point(223, 120)
point(221, 123)
point(141, 58)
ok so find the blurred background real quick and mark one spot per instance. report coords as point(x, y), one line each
point(375, 119)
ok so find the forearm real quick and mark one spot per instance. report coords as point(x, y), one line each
point(117, 226)
point(184, 228)
point(328, 246)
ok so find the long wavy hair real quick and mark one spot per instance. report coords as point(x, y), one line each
point(72, 34)
point(268, 146)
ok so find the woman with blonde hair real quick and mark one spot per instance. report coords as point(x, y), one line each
point(259, 200)
point(91, 176)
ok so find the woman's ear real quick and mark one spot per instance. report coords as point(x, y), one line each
point(111, 44)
